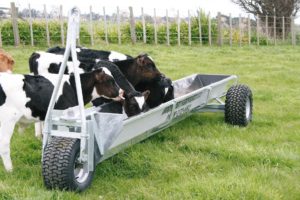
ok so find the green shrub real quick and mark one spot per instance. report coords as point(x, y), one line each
point(39, 32)
point(7, 33)
point(40, 37)
point(262, 40)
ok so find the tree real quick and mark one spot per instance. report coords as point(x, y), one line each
point(280, 8)
point(271, 8)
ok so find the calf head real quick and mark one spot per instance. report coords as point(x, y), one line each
point(105, 84)
point(166, 83)
point(161, 91)
point(135, 103)
point(146, 68)
point(6, 62)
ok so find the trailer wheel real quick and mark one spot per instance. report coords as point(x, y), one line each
point(238, 105)
point(61, 168)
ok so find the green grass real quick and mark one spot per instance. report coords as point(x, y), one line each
point(200, 157)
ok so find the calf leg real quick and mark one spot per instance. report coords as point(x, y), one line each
point(38, 127)
point(6, 131)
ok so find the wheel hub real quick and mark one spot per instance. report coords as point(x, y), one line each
point(80, 173)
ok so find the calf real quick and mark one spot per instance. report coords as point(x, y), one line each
point(139, 69)
point(42, 62)
point(161, 91)
point(6, 62)
point(25, 99)
point(143, 75)
point(134, 102)
point(136, 70)
point(130, 106)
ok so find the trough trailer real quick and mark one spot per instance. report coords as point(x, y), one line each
point(77, 139)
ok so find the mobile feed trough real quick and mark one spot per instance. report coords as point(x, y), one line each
point(77, 139)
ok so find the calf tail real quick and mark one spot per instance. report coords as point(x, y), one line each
point(33, 64)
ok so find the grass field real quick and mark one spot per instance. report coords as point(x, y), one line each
point(200, 157)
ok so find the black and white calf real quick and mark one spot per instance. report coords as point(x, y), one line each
point(25, 99)
point(42, 62)
point(132, 104)
point(134, 101)
point(136, 70)
point(161, 91)
point(143, 74)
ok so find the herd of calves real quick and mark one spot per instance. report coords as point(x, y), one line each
point(128, 85)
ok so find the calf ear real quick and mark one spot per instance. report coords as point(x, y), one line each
point(141, 60)
point(146, 94)
point(99, 74)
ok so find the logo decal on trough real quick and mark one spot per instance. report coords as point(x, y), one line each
point(186, 101)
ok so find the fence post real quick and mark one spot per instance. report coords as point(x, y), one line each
point(230, 27)
point(249, 31)
point(200, 27)
point(30, 26)
point(240, 30)
point(132, 26)
point(91, 26)
point(267, 29)
point(220, 39)
point(257, 29)
point(275, 40)
point(105, 26)
point(209, 29)
point(168, 31)
point(178, 28)
point(155, 27)
point(14, 16)
point(283, 29)
point(144, 27)
point(47, 25)
point(190, 29)
point(293, 31)
point(119, 26)
point(61, 18)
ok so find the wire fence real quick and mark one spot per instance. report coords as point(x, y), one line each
point(39, 25)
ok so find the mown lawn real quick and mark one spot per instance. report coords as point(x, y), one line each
point(200, 157)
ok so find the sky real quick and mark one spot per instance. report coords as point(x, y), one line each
point(209, 6)
point(213, 6)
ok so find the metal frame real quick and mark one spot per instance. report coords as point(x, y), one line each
point(72, 35)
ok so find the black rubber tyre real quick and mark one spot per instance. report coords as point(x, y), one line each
point(61, 169)
point(238, 105)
